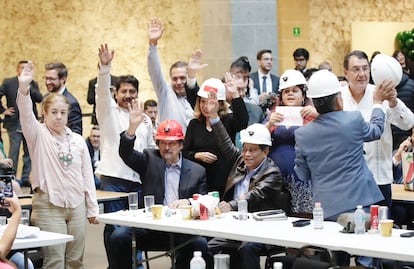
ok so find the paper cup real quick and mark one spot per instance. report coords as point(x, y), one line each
point(156, 211)
point(186, 212)
point(386, 227)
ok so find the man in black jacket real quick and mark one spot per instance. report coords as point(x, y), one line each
point(253, 176)
point(172, 180)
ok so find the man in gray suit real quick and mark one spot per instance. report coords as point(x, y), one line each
point(341, 179)
point(172, 180)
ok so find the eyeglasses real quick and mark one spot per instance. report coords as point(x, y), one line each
point(356, 70)
point(50, 78)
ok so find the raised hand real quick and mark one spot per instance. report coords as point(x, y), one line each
point(136, 116)
point(26, 77)
point(232, 84)
point(105, 55)
point(194, 64)
point(155, 30)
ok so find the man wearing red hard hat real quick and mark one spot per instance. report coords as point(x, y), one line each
point(172, 180)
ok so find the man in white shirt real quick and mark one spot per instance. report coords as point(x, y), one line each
point(113, 119)
point(358, 96)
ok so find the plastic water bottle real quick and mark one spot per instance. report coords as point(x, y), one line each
point(359, 219)
point(317, 216)
point(242, 208)
point(277, 265)
point(197, 262)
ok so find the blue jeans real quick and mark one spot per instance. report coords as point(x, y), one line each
point(116, 185)
point(18, 259)
point(15, 139)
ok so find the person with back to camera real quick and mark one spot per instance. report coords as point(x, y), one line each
point(62, 179)
point(337, 167)
point(171, 178)
point(292, 92)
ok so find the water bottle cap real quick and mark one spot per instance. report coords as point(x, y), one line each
point(317, 204)
point(197, 253)
point(359, 206)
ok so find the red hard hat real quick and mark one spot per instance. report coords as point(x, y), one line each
point(169, 130)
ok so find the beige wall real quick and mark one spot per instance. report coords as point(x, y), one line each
point(71, 31)
point(326, 26)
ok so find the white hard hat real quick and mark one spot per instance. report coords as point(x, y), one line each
point(291, 78)
point(384, 67)
point(212, 85)
point(323, 83)
point(256, 134)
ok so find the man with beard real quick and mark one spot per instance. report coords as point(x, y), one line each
point(55, 80)
point(113, 118)
point(264, 81)
point(172, 179)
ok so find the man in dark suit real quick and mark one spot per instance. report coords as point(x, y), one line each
point(172, 180)
point(11, 121)
point(94, 145)
point(91, 95)
point(263, 80)
point(55, 80)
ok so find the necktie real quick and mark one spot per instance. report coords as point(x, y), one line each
point(264, 86)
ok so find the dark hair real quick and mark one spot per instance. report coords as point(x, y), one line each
point(301, 52)
point(325, 104)
point(358, 53)
point(178, 65)
point(261, 52)
point(309, 72)
point(95, 127)
point(242, 63)
point(127, 79)
point(342, 78)
point(22, 62)
point(150, 102)
point(60, 67)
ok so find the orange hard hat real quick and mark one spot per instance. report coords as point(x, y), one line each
point(169, 130)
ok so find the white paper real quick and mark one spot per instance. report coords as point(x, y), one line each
point(291, 115)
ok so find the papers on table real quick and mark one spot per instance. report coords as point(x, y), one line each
point(23, 231)
point(291, 115)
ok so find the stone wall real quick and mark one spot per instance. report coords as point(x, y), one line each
point(71, 32)
point(326, 26)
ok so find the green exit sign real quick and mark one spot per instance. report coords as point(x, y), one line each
point(296, 31)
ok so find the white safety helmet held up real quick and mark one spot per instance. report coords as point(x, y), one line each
point(212, 85)
point(256, 134)
point(291, 78)
point(323, 83)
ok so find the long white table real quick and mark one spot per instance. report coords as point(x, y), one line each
point(277, 232)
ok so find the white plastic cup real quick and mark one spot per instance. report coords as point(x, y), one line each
point(3, 220)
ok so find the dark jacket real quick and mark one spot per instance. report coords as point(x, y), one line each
point(9, 89)
point(275, 82)
point(405, 92)
point(265, 186)
point(91, 152)
point(151, 168)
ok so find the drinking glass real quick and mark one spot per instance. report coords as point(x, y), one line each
point(148, 203)
point(25, 217)
point(133, 201)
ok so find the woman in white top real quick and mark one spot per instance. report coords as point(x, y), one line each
point(62, 178)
